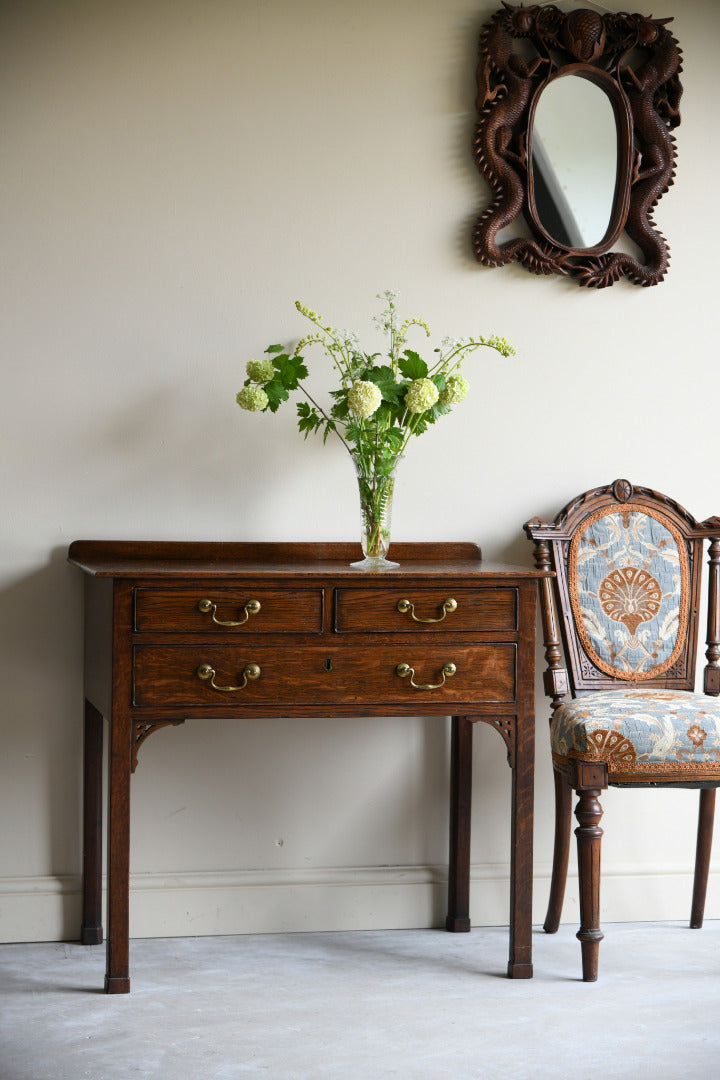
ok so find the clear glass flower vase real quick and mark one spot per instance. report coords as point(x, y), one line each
point(376, 490)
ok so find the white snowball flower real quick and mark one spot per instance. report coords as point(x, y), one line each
point(252, 398)
point(260, 371)
point(456, 390)
point(421, 395)
point(364, 399)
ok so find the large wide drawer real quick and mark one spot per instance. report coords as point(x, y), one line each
point(170, 675)
point(228, 610)
point(404, 608)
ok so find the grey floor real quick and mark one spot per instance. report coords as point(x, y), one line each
point(415, 1004)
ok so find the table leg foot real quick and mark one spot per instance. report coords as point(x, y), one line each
point(520, 970)
point(117, 985)
point(91, 935)
point(457, 924)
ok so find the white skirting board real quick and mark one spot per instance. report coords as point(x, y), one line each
point(352, 898)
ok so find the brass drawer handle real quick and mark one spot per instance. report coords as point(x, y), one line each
point(207, 674)
point(209, 608)
point(448, 607)
point(404, 670)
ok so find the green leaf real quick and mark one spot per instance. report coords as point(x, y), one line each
point(276, 393)
point(394, 437)
point(275, 349)
point(354, 431)
point(309, 420)
point(420, 423)
point(384, 379)
point(437, 411)
point(412, 365)
point(384, 416)
point(290, 369)
point(329, 426)
point(340, 410)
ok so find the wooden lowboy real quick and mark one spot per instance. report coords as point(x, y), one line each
point(203, 630)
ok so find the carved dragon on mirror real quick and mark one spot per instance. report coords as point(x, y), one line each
point(637, 62)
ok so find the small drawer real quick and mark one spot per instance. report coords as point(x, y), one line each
point(248, 609)
point(442, 608)
point(388, 675)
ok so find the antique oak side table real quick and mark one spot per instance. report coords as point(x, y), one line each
point(213, 630)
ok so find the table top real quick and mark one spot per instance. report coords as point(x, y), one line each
point(150, 558)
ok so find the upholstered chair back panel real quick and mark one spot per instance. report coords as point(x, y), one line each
point(629, 584)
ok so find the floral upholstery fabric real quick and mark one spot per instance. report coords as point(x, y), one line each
point(639, 730)
point(628, 577)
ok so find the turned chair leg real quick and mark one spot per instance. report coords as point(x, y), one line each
point(561, 853)
point(588, 813)
point(702, 856)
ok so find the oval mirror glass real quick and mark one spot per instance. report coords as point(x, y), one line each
point(574, 161)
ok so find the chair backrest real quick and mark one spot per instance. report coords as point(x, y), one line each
point(628, 569)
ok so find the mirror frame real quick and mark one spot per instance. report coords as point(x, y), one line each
point(637, 61)
point(623, 128)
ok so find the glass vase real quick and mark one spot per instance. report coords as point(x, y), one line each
point(376, 488)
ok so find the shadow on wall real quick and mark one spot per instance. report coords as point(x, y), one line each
point(179, 461)
point(41, 695)
point(518, 552)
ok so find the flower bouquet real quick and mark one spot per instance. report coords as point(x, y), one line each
point(382, 401)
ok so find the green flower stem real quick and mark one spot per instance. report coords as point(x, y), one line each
point(331, 349)
point(464, 350)
point(375, 496)
point(327, 331)
point(320, 409)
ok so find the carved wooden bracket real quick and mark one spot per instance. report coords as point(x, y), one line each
point(142, 729)
point(507, 726)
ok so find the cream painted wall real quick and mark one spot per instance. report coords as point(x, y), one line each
point(174, 174)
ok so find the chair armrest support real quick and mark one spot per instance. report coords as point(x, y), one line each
point(555, 678)
point(711, 682)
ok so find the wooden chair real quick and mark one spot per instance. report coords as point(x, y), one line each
point(628, 566)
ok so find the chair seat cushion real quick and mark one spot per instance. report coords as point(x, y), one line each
point(641, 733)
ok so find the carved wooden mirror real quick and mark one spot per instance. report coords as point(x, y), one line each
point(575, 134)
